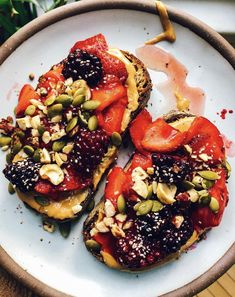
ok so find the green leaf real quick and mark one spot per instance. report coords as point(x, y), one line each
point(6, 23)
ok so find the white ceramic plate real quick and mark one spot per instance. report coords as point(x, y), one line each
point(65, 265)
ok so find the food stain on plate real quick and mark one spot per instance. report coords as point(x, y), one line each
point(176, 91)
point(229, 146)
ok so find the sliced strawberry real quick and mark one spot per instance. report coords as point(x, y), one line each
point(108, 91)
point(92, 44)
point(138, 128)
point(51, 78)
point(115, 182)
point(112, 65)
point(139, 160)
point(110, 119)
point(97, 46)
point(72, 181)
point(204, 137)
point(106, 241)
point(161, 137)
point(26, 94)
point(203, 217)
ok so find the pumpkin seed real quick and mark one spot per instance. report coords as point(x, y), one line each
point(187, 185)
point(150, 191)
point(49, 101)
point(157, 206)
point(204, 197)
point(207, 184)
point(78, 100)
point(121, 204)
point(54, 110)
point(116, 138)
point(57, 146)
point(91, 105)
point(72, 123)
point(136, 206)
point(83, 117)
point(214, 205)
point(74, 131)
point(41, 130)
point(11, 189)
point(193, 195)
point(65, 229)
point(154, 184)
point(20, 134)
point(16, 148)
point(197, 181)
point(208, 174)
point(166, 193)
point(93, 245)
point(145, 207)
point(64, 99)
point(80, 91)
point(30, 110)
point(90, 206)
point(9, 158)
point(92, 123)
point(41, 200)
point(29, 150)
point(37, 155)
point(5, 140)
point(228, 167)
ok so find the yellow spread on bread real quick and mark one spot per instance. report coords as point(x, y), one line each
point(132, 91)
point(169, 32)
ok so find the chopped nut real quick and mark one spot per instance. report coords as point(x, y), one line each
point(177, 221)
point(35, 121)
point(188, 148)
point(53, 173)
point(58, 160)
point(48, 226)
point(150, 170)
point(68, 81)
point(68, 148)
point(204, 157)
point(127, 225)
point(101, 227)
point(69, 115)
point(45, 156)
point(108, 221)
point(141, 188)
point(109, 209)
point(117, 231)
point(63, 157)
point(139, 174)
point(34, 132)
point(77, 208)
point(121, 217)
point(93, 232)
point(24, 123)
point(154, 184)
point(56, 119)
point(46, 137)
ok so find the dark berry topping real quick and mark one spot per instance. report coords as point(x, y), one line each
point(170, 169)
point(173, 238)
point(89, 149)
point(23, 174)
point(82, 65)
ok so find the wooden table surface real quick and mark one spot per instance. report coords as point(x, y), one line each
point(223, 287)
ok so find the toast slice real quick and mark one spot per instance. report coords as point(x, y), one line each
point(162, 201)
point(135, 91)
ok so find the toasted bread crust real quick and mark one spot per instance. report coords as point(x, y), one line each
point(92, 217)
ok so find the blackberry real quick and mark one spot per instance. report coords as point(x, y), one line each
point(172, 238)
point(152, 224)
point(82, 65)
point(134, 251)
point(23, 174)
point(89, 149)
point(170, 169)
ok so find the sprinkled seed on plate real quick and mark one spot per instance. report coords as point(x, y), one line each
point(11, 189)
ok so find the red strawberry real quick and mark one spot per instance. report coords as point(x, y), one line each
point(144, 161)
point(109, 90)
point(92, 44)
point(110, 119)
point(97, 46)
point(26, 94)
point(138, 128)
point(106, 241)
point(204, 137)
point(203, 217)
point(161, 137)
point(51, 78)
point(115, 182)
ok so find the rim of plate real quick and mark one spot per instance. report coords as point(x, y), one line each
point(178, 16)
